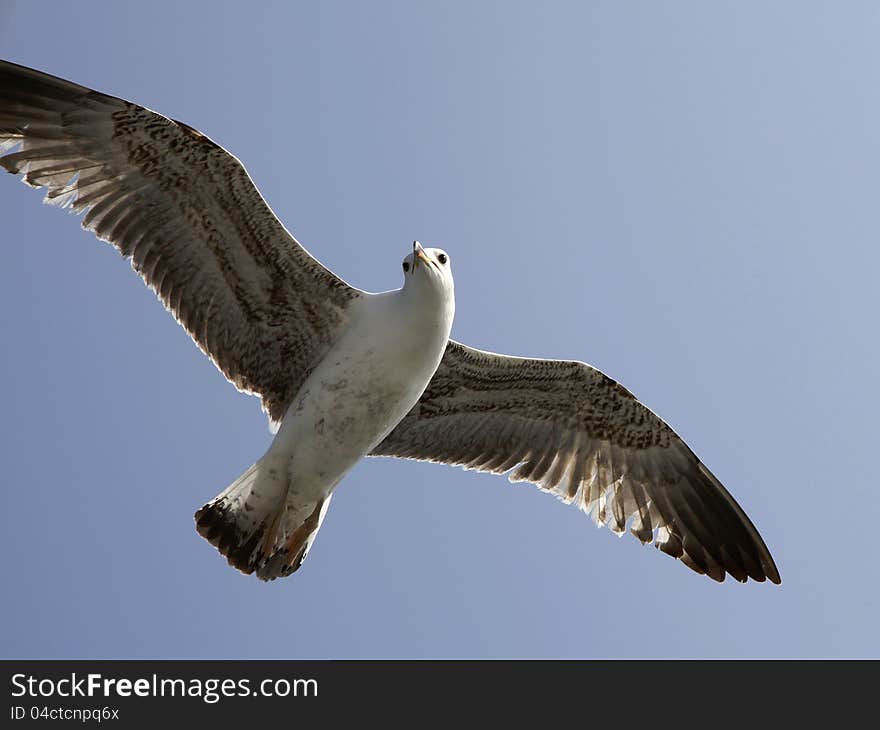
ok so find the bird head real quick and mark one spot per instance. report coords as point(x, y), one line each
point(427, 266)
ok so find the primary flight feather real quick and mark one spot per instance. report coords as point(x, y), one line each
point(343, 373)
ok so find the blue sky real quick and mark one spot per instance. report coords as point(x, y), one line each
point(683, 194)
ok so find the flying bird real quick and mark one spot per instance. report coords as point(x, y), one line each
point(343, 373)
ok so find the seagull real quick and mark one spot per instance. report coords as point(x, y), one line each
point(343, 373)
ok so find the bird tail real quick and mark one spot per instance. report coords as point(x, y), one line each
point(258, 527)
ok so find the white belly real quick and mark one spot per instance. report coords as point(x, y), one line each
point(358, 393)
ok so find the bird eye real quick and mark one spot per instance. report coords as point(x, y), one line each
point(405, 266)
point(442, 258)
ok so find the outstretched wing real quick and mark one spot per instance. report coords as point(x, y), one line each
point(186, 214)
point(575, 432)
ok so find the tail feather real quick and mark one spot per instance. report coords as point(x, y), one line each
point(258, 526)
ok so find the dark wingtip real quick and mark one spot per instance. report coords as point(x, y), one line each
point(773, 574)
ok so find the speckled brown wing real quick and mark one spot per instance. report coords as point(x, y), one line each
point(186, 214)
point(577, 433)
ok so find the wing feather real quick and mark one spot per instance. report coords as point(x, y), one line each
point(575, 432)
point(190, 220)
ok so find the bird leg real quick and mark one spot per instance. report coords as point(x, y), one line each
point(296, 542)
point(272, 532)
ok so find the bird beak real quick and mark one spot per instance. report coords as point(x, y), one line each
point(419, 254)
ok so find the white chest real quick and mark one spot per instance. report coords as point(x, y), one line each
point(366, 383)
